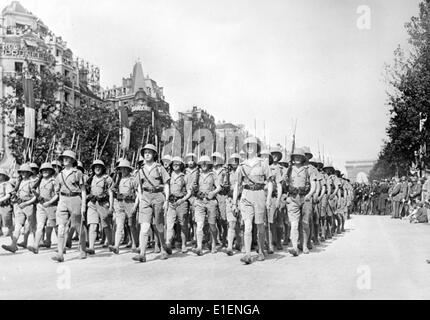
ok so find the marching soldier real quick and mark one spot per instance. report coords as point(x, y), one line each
point(222, 175)
point(23, 207)
point(178, 203)
point(126, 203)
point(100, 204)
point(252, 176)
point(299, 202)
point(332, 189)
point(72, 204)
point(152, 180)
point(275, 218)
point(57, 167)
point(316, 180)
point(6, 209)
point(317, 200)
point(166, 161)
point(284, 162)
point(44, 192)
point(206, 203)
point(192, 177)
point(233, 216)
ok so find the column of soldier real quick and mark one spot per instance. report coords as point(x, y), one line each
point(402, 198)
point(265, 200)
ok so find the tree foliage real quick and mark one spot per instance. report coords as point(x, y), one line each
point(408, 96)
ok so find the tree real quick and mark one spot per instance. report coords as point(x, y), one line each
point(408, 98)
point(87, 121)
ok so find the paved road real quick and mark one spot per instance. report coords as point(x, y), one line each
point(377, 258)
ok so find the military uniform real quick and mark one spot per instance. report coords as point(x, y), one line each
point(125, 206)
point(6, 209)
point(252, 175)
point(178, 190)
point(151, 181)
point(223, 181)
point(205, 207)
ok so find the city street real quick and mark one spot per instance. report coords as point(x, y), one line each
point(377, 258)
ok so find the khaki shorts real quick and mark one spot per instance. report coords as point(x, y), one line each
point(69, 208)
point(222, 206)
point(206, 208)
point(6, 216)
point(26, 215)
point(180, 213)
point(99, 213)
point(253, 205)
point(151, 208)
point(45, 216)
point(123, 210)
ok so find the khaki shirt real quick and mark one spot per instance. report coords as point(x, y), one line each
point(70, 181)
point(178, 185)
point(191, 178)
point(101, 185)
point(208, 182)
point(24, 192)
point(156, 174)
point(127, 187)
point(258, 171)
point(300, 177)
point(46, 189)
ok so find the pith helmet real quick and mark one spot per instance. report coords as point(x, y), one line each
point(124, 163)
point(70, 154)
point(307, 150)
point(329, 165)
point(25, 168)
point(298, 152)
point(178, 159)
point(80, 166)
point(34, 166)
point(166, 158)
point(252, 140)
point(149, 147)
point(56, 163)
point(98, 163)
point(205, 159)
point(47, 166)
point(190, 155)
point(218, 157)
point(278, 152)
point(234, 156)
point(4, 172)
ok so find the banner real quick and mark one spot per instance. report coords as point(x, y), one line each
point(29, 110)
point(125, 125)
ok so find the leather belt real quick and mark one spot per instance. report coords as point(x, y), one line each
point(257, 187)
point(71, 194)
point(153, 190)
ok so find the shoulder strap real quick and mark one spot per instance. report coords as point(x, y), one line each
point(62, 178)
point(146, 177)
point(246, 175)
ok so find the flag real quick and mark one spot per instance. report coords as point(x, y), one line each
point(125, 125)
point(29, 109)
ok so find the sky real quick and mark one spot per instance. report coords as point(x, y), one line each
point(318, 61)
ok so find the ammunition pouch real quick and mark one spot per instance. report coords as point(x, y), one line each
point(124, 198)
point(202, 196)
point(224, 191)
point(173, 199)
point(254, 187)
point(294, 192)
point(6, 203)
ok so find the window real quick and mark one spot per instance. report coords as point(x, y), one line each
point(57, 53)
point(67, 96)
point(18, 67)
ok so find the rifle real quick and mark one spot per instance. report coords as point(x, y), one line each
point(293, 146)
